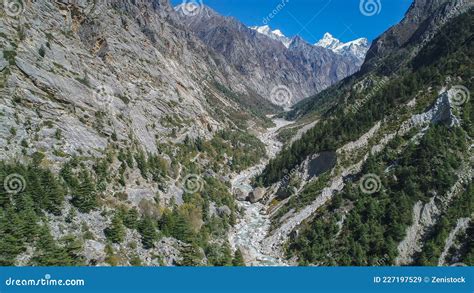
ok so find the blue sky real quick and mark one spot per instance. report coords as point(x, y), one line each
point(312, 18)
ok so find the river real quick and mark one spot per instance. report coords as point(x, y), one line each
point(253, 226)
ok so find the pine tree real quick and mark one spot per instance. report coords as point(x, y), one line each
point(68, 175)
point(53, 193)
point(111, 258)
point(73, 248)
point(226, 255)
point(167, 222)
point(4, 196)
point(142, 163)
point(148, 232)
point(85, 197)
point(48, 253)
point(182, 230)
point(192, 256)
point(37, 158)
point(238, 260)
point(11, 239)
point(116, 231)
point(28, 220)
point(131, 219)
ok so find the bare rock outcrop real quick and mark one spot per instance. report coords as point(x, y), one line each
point(257, 194)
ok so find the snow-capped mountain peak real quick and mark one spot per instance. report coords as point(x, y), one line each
point(278, 33)
point(274, 34)
point(328, 42)
point(357, 48)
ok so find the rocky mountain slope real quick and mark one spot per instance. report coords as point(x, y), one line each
point(421, 22)
point(400, 44)
point(117, 136)
point(302, 68)
point(401, 132)
point(356, 49)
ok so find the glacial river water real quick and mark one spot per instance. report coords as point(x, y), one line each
point(254, 225)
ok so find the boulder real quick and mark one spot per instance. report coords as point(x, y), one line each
point(257, 194)
point(283, 192)
point(169, 251)
point(224, 211)
point(212, 209)
point(240, 194)
point(94, 251)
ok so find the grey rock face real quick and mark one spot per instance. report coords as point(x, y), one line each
point(240, 194)
point(94, 251)
point(264, 63)
point(257, 194)
point(169, 248)
point(224, 211)
point(421, 22)
point(441, 112)
point(113, 67)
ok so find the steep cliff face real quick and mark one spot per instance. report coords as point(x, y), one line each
point(127, 62)
point(421, 22)
point(118, 96)
point(266, 63)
